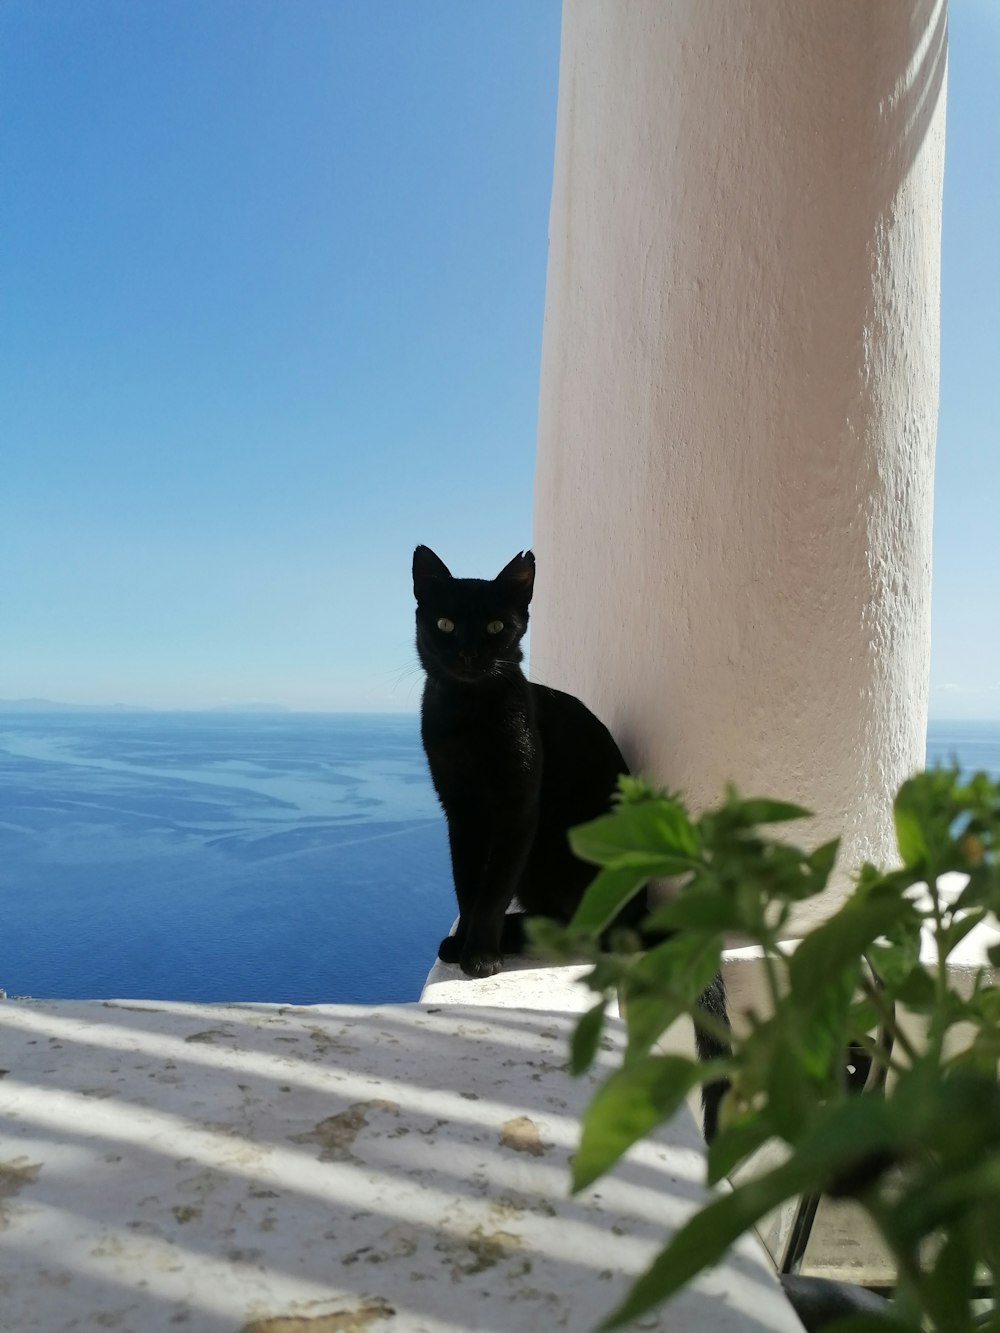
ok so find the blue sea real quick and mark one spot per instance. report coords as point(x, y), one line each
point(286, 857)
point(974, 746)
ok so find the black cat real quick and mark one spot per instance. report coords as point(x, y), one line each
point(515, 765)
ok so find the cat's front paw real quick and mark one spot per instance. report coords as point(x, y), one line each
point(450, 949)
point(481, 963)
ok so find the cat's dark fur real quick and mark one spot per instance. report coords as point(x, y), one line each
point(515, 765)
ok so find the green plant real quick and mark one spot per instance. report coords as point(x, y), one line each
point(924, 1158)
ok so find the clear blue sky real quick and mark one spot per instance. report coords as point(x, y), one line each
point(965, 653)
point(271, 290)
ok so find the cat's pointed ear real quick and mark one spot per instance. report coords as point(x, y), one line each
point(520, 573)
point(427, 569)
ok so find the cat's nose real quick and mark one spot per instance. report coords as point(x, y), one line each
point(468, 655)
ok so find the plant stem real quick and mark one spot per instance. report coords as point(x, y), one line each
point(939, 1017)
point(771, 951)
point(878, 1053)
point(888, 1017)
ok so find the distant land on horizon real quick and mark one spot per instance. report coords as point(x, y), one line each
point(258, 708)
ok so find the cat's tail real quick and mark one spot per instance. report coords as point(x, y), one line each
point(710, 1046)
point(708, 1042)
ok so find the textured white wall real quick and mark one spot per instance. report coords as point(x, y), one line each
point(739, 393)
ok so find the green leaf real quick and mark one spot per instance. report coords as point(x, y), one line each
point(837, 945)
point(548, 939)
point(697, 909)
point(648, 1014)
point(917, 990)
point(790, 1098)
point(824, 1029)
point(985, 999)
point(706, 1237)
point(607, 893)
point(636, 790)
point(759, 810)
point(656, 831)
point(983, 1056)
point(947, 1288)
point(607, 973)
point(735, 1143)
point(899, 954)
point(932, 812)
point(583, 1045)
point(663, 984)
point(909, 834)
point(844, 1135)
point(627, 1106)
point(937, 1199)
point(787, 874)
point(863, 1018)
point(822, 861)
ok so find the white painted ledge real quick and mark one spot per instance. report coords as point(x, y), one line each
point(263, 1168)
point(523, 984)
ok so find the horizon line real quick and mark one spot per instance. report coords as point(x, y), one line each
point(34, 704)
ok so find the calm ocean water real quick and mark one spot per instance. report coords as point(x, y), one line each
point(218, 857)
point(287, 858)
point(975, 746)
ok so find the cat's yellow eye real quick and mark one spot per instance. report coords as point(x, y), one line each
point(494, 627)
point(445, 625)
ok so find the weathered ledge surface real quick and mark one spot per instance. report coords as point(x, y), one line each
point(272, 1169)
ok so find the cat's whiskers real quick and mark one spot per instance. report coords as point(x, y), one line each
point(413, 670)
point(501, 666)
point(410, 668)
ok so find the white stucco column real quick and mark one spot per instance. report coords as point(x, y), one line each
point(739, 393)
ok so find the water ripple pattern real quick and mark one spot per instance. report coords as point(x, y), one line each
point(218, 857)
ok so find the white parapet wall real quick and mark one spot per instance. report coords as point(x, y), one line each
point(269, 1168)
point(739, 394)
